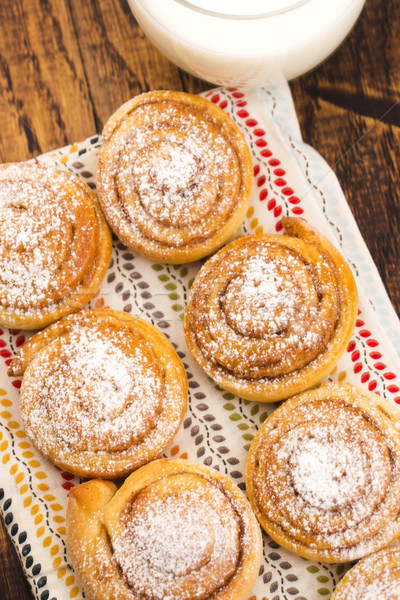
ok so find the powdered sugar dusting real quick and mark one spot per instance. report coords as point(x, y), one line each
point(171, 179)
point(113, 398)
point(385, 588)
point(330, 468)
point(98, 395)
point(170, 549)
point(171, 175)
point(186, 177)
point(48, 235)
point(376, 577)
point(328, 476)
point(182, 539)
point(263, 299)
point(325, 472)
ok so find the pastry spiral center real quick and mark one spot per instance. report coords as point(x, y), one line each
point(168, 169)
point(175, 180)
point(179, 539)
point(326, 471)
point(263, 299)
point(104, 382)
point(169, 536)
point(109, 385)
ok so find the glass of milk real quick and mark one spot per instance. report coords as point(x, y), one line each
point(246, 42)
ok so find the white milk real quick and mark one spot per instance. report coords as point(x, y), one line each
point(246, 42)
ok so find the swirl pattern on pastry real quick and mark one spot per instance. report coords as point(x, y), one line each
point(55, 245)
point(103, 392)
point(376, 577)
point(323, 473)
point(269, 316)
point(174, 529)
point(174, 176)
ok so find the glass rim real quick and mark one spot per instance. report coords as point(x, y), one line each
point(256, 15)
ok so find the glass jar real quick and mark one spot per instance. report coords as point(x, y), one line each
point(246, 42)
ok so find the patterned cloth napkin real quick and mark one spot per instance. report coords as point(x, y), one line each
point(290, 178)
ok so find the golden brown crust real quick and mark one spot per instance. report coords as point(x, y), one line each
point(269, 316)
point(174, 176)
point(376, 577)
point(174, 529)
point(323, 476)
point(55, 245)
point(103, 392)
point(85, 532)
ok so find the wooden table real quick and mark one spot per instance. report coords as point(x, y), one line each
point(66, 65)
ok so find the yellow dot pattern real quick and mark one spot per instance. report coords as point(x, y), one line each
point(45, 510)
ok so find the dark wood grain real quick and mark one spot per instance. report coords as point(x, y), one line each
point(349, 110)
point(66, 65)
point(13, 585)
point(42, 79)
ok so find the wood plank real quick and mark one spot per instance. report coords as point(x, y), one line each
point(349, 111)
point(119, 60)
point(45, 97)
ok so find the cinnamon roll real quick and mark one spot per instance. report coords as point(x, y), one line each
point(269, 315)
point(376, 577)
point(174, 530)
point(174, 176)
point(102, 392)
point(55, 245)
point(323, 473)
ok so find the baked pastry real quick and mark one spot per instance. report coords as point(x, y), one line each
point(174, 176)
point(55, 245)
point(323, 473)
point(102, 393)
point(174, 530)
point(269, 315)
point(376, 577)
